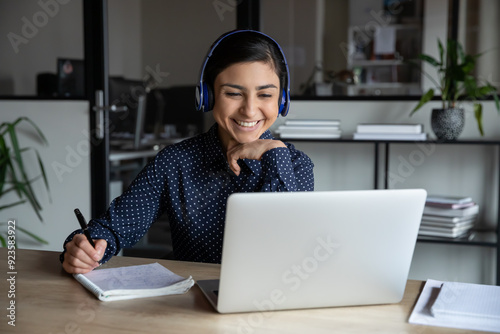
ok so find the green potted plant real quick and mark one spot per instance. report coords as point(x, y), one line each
point(457, 83)
point(13, 175)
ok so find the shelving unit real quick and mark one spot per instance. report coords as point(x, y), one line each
point(377, 75)
point(477, 238)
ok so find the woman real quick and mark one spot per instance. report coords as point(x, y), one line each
point(244, 81)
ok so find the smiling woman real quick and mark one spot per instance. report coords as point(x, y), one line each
point(245, 84)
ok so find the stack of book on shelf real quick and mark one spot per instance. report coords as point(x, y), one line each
point(310, 129)
point(449, 217)
point(385, 131)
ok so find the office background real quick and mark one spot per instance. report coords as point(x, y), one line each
point(134, 51)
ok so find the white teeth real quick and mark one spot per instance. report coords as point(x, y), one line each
point(247, 124)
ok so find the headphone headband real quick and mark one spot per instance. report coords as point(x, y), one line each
point(204, 96)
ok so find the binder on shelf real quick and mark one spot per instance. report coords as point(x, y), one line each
point(448, 199)
point(450, 205)
point(386, 128)
point(390, 136)
point(445, 221)
point(448, 216)
point(310, 129)
point(463, 212)
point(313, 122)
point(446, 232)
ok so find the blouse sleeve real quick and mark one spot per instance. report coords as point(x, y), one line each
point(130, 215)
point(287, 169)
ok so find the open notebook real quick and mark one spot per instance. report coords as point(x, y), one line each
point(131, 282)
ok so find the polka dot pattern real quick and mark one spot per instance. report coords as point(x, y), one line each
point(191, 182)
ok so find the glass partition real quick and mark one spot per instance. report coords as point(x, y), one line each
point(41, 49)
point(342, 49)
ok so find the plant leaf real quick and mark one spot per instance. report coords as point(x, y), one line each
point(3, 241)
point(441, 51)
point(12, 168)
point(478, 113)
point(34, 236)
point(497, 101)
point(430, 60)
point(423, 100)
point(37, 129)
point(12, 204)
point(42, 170)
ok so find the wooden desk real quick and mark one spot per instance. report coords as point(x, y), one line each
point(50, 301)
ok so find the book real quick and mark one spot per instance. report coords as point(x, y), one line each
point(309, 132)
point(313, 122)
point(438, 227)
point(469, 211)
point(443, 234)
point(448, 220)
point(307, 129)
point(390, 136)
point(287, 135)
point(427, 224)
point(448, 199)
point(450, 205)
point(389, 128)
point(458, 229)
point(132, 282)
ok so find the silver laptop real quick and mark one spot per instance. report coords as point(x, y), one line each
point(297, 250)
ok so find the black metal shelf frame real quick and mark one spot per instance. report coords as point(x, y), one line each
point(486, 239)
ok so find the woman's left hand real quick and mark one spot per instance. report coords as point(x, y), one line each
point(253, 150)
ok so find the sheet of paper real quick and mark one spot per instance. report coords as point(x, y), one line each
point(148, 276)
point(422, 315)
point(385, 40)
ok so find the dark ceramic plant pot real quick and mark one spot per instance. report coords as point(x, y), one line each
point(447, 124)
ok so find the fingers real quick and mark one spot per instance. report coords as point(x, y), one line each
point(252, 150)
point(233, 165)
point(80, 256)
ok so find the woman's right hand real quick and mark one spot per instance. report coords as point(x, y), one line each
point(81, 257)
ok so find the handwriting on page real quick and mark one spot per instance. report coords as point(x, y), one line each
point(149, 276)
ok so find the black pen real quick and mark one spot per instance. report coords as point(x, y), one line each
point(83, 225)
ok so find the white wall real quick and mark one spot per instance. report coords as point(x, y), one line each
point(445, 169)
point(65, 124)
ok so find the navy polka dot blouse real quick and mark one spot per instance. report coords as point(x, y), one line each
point(191, 182)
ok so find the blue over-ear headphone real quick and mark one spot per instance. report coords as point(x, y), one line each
point(204, 95)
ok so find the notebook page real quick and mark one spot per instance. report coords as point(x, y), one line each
point(422, 315)
point(147, 276)
point(466, 299)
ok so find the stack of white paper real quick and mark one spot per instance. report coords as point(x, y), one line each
point(310, 129)
point(446, 216)
point(458, 305)
point(387, 131)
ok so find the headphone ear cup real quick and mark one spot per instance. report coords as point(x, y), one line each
point(208, 98)
point(282, 109)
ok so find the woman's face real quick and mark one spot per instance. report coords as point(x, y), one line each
point(246, 102)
